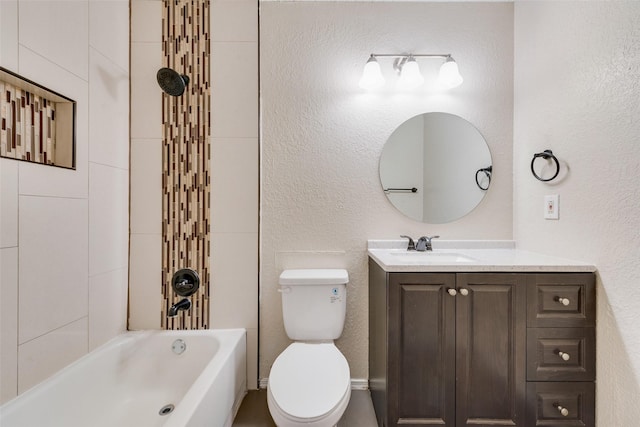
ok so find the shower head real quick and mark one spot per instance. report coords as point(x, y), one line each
point(171, 82)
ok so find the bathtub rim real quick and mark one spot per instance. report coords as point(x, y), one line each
point(230, 336)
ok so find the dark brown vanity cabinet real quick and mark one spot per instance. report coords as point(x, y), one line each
point(561, 350)
point(458, 349)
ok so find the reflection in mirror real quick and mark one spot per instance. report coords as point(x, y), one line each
point(435, 167)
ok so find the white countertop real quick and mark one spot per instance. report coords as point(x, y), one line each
point(476, 256)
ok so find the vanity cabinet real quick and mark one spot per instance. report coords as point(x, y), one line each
point(481, 349)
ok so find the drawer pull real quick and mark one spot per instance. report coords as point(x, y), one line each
point(452, 292)
point(563, 411)
point(564, 356)
point(563, 301)
point(464, 292)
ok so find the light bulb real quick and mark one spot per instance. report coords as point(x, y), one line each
point(410, 77)
point(371, 75)
point(449, 76)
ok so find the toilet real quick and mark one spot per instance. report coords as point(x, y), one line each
point(310, 382)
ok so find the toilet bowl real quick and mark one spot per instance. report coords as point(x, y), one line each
point(310, 382)
point(309, 385)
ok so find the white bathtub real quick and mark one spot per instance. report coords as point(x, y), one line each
point(128, 380)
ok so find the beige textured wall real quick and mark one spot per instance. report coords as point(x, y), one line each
point(322, 137)
point(577, 92)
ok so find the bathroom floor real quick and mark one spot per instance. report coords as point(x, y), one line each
point(254, 411)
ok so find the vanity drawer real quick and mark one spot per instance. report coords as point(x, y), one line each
point(552, 404)
point(561, 300)
point(561, 354)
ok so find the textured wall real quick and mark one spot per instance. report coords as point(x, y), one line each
point(322, 137)
point(577, 92)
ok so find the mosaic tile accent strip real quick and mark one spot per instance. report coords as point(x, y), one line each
point(186, 158)
point(28, 127)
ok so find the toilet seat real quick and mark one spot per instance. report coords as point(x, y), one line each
point(309, 382)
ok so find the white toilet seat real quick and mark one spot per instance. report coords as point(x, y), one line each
point(309, 385)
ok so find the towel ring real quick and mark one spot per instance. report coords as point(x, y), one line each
point(487, 172)
point(546, 154)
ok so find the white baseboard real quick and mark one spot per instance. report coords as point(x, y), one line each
point(356, 383)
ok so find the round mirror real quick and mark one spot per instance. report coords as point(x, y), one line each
point(435, 167)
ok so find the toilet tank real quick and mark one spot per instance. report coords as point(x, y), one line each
point(314, 303)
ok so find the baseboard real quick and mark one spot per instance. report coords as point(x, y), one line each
point(356, 383)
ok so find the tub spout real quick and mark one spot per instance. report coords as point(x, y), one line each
point(184, 304)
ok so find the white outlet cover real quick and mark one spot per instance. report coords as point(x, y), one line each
point(551, 207)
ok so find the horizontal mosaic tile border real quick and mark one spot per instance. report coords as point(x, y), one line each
point(186, 159)
point(27, 127)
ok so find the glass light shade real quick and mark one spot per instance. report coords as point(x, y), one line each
point(371, 75)
point(410, 77)
point(449, 76)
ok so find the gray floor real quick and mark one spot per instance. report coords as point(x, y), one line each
point(255, 413)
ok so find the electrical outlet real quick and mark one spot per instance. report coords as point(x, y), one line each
point(551, 207)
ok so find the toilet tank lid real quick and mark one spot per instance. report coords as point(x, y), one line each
point(318, 276)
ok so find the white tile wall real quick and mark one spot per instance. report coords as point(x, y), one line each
point(234, 85)
point(146, 96)
point(109, 30)
point(9, 34)
point(147, 15)
point(52, 265)
point(252, 358)
point(9, 206)
point(235, 168)
point(52, 217)
point(235, 171)
point(107, 306)
point(45, 355)
point(234, 289)
point(234, 21)
point(146, 186)
point(108, 218)
point(108, 112)
point(234, 177)
point(8, 323)
point(49, 181)
point(57, 30)
point(145, 277)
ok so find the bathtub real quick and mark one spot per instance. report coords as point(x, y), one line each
point(134, 378)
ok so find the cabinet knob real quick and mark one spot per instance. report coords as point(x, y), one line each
point(464, 292)
point(452, 292)
point(563, 411)
point(564, 356)
point(563, 301)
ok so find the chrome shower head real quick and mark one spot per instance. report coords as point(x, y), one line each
point(171, 82)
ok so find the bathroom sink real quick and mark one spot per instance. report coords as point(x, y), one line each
point(431, 257)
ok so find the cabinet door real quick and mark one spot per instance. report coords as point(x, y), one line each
point(421, 354)
point(490, 350)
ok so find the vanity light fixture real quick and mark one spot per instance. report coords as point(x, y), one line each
point(407, 67)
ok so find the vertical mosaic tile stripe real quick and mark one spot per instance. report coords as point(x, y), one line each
point(27, 123)
point(186, 158)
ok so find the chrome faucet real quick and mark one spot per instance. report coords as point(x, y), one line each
point(184, 304)
point(412, 244)
point(424, 243)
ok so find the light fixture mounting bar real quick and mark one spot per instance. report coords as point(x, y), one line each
point(423, 55)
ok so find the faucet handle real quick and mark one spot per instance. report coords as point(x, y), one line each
point(412, 244)
point(424, 243)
